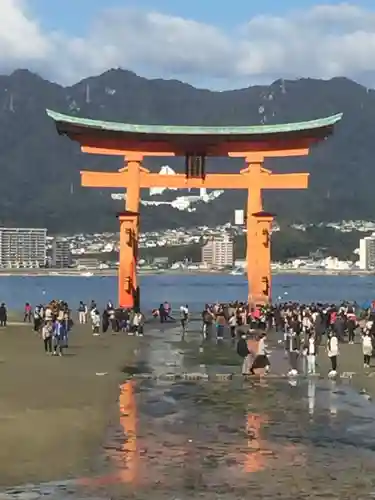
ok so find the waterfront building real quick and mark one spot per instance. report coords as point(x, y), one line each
point(367, 252)
point(23, 247)
point(218, 251)
point(61, 254)
point(86, 263)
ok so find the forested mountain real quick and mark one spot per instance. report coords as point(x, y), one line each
point(40, 182)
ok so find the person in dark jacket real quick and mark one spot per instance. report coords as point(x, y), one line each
point(105, 321)
point(293, 351)
point(319, 327)
point(244, 352)
point(339, 326)
point(3, 315)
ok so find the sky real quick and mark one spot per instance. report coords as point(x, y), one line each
point(208, 43)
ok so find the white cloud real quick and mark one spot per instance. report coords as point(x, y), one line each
point(324, 41)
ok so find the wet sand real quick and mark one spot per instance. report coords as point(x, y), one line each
point(178, 439)
point(350, 366)
point(55, 411)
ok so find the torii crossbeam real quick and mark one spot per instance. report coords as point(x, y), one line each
point(253, 144)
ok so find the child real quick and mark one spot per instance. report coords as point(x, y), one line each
point(367, 349)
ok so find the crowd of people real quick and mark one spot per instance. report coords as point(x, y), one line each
point(54, 321)
point(304, 327)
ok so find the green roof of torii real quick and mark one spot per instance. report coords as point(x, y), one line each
point(128, 128)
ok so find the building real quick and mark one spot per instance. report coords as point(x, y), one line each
point(61, 254)
point(23, 247)
point(86, 263)
point(218, 251)
point(367, 252)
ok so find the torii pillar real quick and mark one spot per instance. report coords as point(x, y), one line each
point(128, 288)
point(258, 226)
point(259, 264)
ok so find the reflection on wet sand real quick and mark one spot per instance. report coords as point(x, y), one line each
point(333, 399)
point(255, 459)
point(190, 441)
point(127, 461)
point(311, 395)
point(178, 438)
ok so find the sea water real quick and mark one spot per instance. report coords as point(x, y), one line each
point(191, 289)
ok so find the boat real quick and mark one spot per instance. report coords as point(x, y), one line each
point(237, 272)
point(87, 275)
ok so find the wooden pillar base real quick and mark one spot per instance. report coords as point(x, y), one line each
point(260, 291)
point(128, 291)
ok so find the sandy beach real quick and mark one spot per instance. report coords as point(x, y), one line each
point(55, 411)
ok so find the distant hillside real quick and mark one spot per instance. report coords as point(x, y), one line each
point(40, 170)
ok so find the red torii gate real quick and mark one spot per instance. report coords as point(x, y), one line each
point(255, 143)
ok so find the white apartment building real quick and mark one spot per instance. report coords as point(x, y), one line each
point(218, 251)
point(22, 247)
point(367, 252)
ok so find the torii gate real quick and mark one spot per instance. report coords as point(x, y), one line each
point(254, 144)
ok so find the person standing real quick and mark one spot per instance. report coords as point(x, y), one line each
point(310, 353)
point(27, 314)
point(58, 338)
point(220, 324)
point(47, 332)
point(207, 320)
point(244, 352)
point(82, 313)
point(184, 318)
point(95, 322)
point(293, 352)
point(138, 321)
point(366, 349)
point(37, 319)
point(232, 322)
point(3, 315)
point(351, 325)
point(261, 358)
point(333, 352)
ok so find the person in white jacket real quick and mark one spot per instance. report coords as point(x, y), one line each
point(366, 349)
point(333, 352)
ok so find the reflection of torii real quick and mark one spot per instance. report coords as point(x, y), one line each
point(255, 460)
point(128, 461)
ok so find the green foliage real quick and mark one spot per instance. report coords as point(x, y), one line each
point(40, 170)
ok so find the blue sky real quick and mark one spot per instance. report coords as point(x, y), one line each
point(57, 14)
point(190, 40)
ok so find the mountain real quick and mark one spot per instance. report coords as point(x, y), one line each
point(40, 182)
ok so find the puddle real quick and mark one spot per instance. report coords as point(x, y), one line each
point(266, 439)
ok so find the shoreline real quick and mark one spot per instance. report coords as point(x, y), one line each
point(69, 273)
